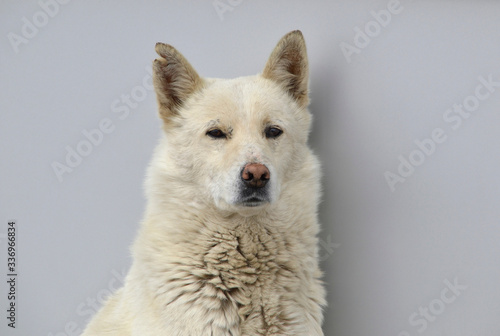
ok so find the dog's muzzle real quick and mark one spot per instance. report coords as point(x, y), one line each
point(254, 188)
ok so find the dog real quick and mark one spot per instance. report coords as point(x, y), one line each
point(228, 245)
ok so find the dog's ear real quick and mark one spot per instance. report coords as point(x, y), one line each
point(174, 80)
point(288, 66)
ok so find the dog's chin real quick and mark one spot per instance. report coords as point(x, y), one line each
point(251, 207)
point(246, 207)
point(253, 202)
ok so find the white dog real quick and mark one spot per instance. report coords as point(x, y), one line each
point(228, 244)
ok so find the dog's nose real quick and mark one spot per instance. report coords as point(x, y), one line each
point(255, 175)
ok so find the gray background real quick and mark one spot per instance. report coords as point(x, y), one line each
point(388, 256)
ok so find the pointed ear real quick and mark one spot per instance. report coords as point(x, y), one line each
point(174, 80)
point(288, 66)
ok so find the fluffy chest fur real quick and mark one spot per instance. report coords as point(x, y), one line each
point(254, 267)
point(246, 279)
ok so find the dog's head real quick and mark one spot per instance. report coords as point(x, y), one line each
point(236, 143)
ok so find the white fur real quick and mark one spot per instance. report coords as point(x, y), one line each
point(204, 264)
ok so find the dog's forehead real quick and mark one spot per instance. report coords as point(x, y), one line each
point(244, 97)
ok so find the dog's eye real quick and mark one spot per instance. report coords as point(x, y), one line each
point(273, 132)
point(216, 134)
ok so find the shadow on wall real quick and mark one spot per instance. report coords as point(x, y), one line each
point(323, 87)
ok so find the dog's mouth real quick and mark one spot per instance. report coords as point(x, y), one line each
point(253, 201)
point(251, 196)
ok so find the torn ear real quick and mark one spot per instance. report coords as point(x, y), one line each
point(288, 66)
point(174, 80)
